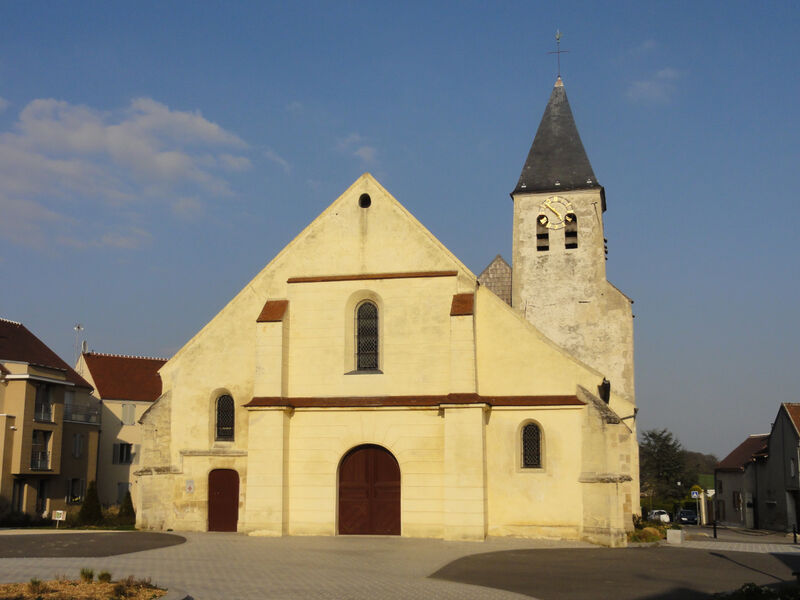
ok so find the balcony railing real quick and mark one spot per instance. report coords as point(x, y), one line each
point(82, 413)
point(43, 412)
point(40, 461)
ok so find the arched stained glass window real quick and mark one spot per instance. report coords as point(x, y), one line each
point(531, 446)
point(225, 419)
point(366, 337)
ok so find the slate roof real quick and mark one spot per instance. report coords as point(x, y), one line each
point(17, 343)
point(557, 159)
point(497, 277)
point(754, 445)
point(120, 377)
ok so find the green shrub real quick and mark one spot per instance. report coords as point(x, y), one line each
point(104, 577)
point(35, 586)
point(91, 513)
point(751, 591)
point(87, 575)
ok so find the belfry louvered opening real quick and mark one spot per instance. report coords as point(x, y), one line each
point(366, 337)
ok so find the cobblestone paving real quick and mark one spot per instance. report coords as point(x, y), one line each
point(743, 547)
point(213, 566)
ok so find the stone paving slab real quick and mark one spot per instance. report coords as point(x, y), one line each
point(212, 566)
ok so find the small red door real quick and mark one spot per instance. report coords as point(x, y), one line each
point(223, 500)
point(369, 492)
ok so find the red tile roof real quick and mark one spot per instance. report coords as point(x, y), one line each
point(793, 410)
point(755, 445)
point(19, 344)
point(463, 304)
point(125, 377)
point(273, 311)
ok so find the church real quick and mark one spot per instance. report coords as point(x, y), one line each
point(367, 382)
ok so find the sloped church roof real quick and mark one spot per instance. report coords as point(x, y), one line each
point(557, 159)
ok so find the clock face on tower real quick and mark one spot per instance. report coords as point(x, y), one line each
point(556, 212)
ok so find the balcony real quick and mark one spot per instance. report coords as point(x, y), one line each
point(82, 413)
point(40, 461)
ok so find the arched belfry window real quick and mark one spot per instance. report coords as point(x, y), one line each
point(570, 231)
point(366, 337)
point(225, 419)
point(531, 446)
point(542, 234)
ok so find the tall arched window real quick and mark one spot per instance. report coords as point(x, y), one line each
point(531, 446)
point(366, 337)
point(542, 234)
point(225, 419)
point(571, 231)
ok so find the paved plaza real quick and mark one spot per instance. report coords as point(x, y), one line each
point(214, 566)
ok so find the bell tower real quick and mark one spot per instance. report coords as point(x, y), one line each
point(559, 258)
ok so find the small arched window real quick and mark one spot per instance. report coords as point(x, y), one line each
point(531, 446)
point(366, 337)
point(542, 234)
point(225, 418)
point(571, 231)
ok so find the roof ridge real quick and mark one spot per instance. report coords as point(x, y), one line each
point(10, 321)
point(125, 356)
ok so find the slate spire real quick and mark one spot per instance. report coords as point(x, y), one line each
point(557, 160)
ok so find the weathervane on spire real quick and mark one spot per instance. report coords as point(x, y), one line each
point(558, 51)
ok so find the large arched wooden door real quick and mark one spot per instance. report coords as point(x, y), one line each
point(223, 500)
point(369, 492)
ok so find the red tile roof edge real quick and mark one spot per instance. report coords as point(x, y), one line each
point(123, 377)
point(410, 401)
point(463, 304)
point(273, 311)
point(753, 446)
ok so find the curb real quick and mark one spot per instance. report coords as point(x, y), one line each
point(176, 594)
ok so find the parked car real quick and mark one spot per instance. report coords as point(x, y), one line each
point(658, 515)
point(686, 517)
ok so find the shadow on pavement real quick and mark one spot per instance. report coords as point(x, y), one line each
point(106, 543)
point(653, 573)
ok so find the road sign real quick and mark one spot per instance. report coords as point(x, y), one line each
point(695, 494)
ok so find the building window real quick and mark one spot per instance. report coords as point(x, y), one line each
point(542, 234)
point(123, 454)
point(40, 450)
point(570, 231)
point(737, 501)
point(531, 446)
point(77, 445)
point(225, 419)
point(720, 510)
point(76, 488)
point(367, 337)
point(43, 406)
point(129, 414)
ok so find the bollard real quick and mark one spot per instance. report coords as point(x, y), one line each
point(715, 529)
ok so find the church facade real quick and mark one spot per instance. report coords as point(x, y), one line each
point(364, 382)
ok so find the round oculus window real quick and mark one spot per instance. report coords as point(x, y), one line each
point(364, 201)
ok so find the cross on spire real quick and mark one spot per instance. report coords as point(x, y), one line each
point(558, 52)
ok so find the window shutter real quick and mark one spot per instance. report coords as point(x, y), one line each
point(115, 457)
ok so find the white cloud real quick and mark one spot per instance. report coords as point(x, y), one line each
point(188, 208)
point(60, 156)
point(4, 104)
point(355, 144)
point(659, 88)
point(270, 154)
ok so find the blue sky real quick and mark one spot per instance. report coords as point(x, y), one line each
point(154, 156)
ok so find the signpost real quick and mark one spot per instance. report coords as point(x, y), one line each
point(59, 515)
point(696, 496)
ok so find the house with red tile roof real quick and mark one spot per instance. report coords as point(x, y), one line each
point(49, 426)
point(125, 386)
point(758, 484)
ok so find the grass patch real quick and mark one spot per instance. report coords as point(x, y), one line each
point(60, 588)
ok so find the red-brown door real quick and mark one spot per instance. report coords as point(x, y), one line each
point(223, 500)
point(369, 492)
